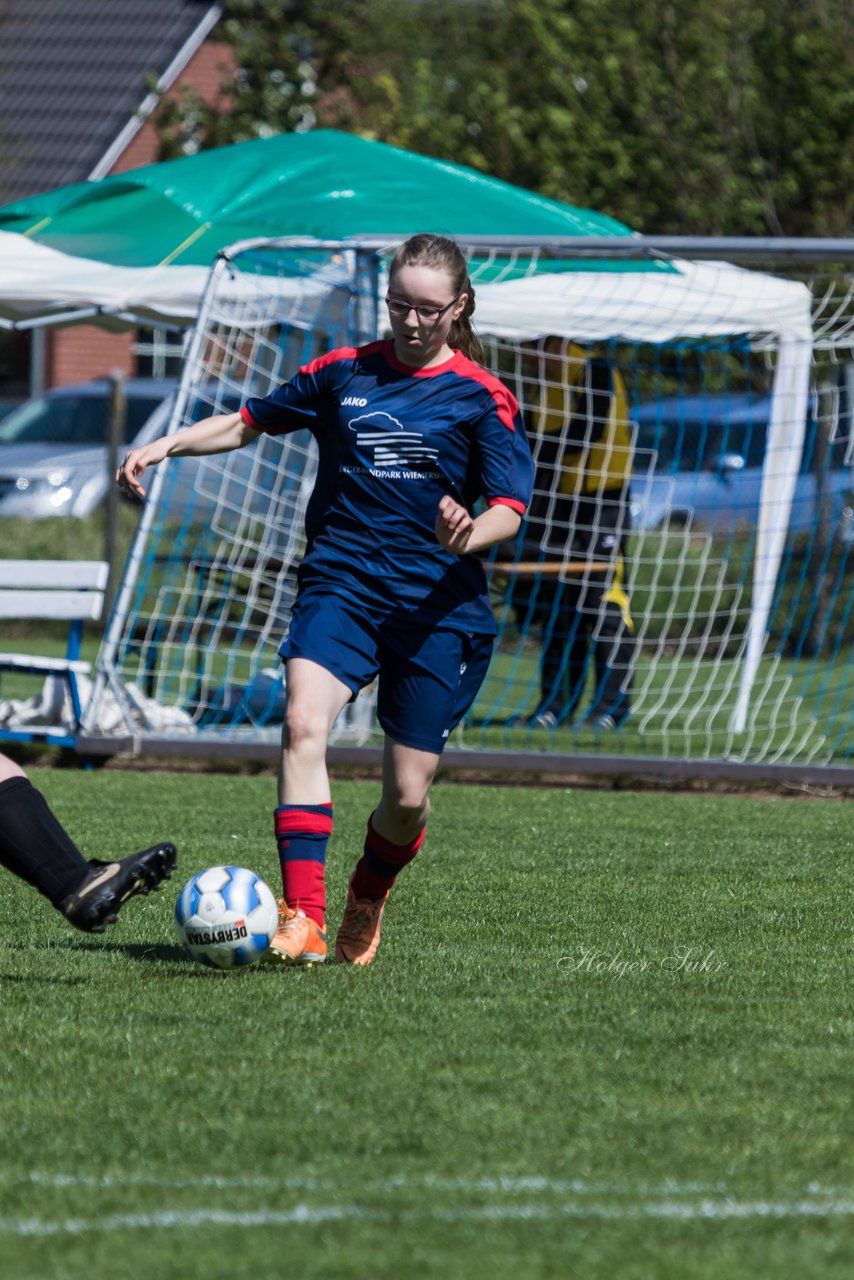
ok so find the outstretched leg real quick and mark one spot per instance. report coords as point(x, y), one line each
point(37, 848)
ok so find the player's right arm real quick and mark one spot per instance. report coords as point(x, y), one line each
point(289, 408)
point(219, 434)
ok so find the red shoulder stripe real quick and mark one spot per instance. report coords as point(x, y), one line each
point(341, 353)
point(331, 357)
point(506, 405)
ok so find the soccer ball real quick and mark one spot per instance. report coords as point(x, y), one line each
point(226, 917)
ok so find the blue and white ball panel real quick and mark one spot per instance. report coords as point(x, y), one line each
point(226, 917)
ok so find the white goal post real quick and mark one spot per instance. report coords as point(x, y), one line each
point(739, 413)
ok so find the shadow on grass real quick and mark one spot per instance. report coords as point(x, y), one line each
point(146, 953)
point(28, 979)
point(140, 953)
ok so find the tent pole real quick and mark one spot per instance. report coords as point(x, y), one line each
point(786, 430)
point(367, 280)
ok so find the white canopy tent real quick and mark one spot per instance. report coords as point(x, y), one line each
point(41, 286)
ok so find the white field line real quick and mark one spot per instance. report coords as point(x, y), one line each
point(166, 1218)
point(428, 1181)
point(545, 1199)
point(308, 1215)
point(499, 1183)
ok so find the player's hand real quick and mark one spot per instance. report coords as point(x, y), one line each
point(136, 461)
point(453, 525)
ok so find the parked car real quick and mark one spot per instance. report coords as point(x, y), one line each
point(699, 462)
point(54, 454)
point(8, 403)
point(53, 448)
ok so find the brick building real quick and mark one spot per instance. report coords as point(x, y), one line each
point(76, 104)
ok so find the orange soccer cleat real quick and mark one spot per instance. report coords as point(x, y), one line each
point(359, 934)
point(298, 939)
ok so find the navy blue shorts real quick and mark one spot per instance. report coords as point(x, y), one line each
point(428, 678)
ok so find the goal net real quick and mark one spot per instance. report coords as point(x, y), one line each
point(683, 587)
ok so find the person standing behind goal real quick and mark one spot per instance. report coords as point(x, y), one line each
point(579, 516)
point(412, 433)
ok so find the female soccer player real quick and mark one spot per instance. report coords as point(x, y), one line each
point(412, 432)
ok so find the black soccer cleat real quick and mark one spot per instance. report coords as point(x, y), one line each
point(98, 900)
point(602, 724)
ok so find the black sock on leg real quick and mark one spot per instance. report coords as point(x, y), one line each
point(33, 843)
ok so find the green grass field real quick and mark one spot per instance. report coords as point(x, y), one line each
point(607, 1035)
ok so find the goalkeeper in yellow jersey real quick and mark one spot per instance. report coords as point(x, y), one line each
point(577, 530)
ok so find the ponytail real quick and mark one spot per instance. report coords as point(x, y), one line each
point(462, 335)
point(443, 254)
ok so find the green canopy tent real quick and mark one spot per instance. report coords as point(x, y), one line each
point(137, 244)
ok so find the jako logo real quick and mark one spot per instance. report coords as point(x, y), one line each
point(354, 400)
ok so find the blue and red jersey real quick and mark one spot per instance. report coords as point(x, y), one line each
point(392, 440)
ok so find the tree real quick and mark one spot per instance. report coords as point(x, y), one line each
point(689, 116)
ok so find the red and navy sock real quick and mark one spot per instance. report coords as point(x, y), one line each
point(302, 833)
point(380, 864)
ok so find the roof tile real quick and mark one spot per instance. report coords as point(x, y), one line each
point(72, 76)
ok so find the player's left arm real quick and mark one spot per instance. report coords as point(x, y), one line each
point(464, 534)
point(506, 479)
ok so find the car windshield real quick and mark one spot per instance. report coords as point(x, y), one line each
point(72, 419)
point(697, 433)
point(693, 446)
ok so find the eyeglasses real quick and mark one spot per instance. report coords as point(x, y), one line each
point(429, 315)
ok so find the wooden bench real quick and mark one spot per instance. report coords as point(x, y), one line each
point(69, 591)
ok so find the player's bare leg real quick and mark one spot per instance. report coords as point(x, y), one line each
point(404, 807)
point(9, 770)
point(395, 834)
point(315, 700)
